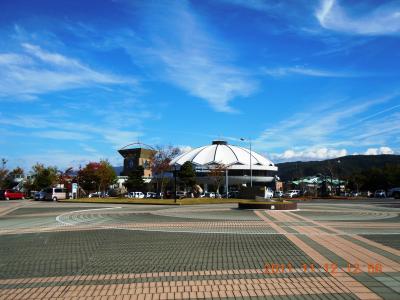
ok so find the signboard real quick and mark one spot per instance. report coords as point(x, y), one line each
point(74, 188)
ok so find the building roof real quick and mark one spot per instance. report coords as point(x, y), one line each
point(219, 152)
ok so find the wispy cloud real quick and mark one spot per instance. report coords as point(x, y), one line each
point(182, 49)
point(298, 70)
point(60, 158)
point(44, 127)
point(34, 71)
point(380, 20)
point(62, 135)
point(338, 125)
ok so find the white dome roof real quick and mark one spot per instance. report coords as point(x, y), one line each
point(222, 153)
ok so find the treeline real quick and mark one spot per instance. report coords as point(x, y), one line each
point(375, 178)
point(362, 172)
point(95, 176)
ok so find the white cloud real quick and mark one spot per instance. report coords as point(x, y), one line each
point(120, 138)
point(298, 70)
point(315, 153)
point(338, 124)
point(185, 148)
point(308, 154)
point(377, 151)
point(67, 130)
point(62, 135)
point(381, 20)
point(182, 50)
point(35, 71)
point(60, 158)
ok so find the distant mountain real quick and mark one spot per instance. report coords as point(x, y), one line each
point(118, 170)
point(340, 167)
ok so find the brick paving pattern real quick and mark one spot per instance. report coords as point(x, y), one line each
point(325, 250)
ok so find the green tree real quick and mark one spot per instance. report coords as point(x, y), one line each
point(3, 172)
point(187, 175)
point(88, 178)
point(106, 175)
point(43, 177)
point(135, 180)
point(10, 182)
point(96, 176)
point(160, 164)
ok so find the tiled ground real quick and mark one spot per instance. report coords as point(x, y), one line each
point(325, 250)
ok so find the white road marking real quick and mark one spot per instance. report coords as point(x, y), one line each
point(58, 218)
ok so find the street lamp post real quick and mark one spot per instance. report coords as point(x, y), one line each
point(339, 190)
point(226, 183)
point(251, 169)
point(175, 182)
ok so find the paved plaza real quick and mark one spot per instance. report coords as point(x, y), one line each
point(324, 250)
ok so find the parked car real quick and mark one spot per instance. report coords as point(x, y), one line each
point(234, 194)
point(380, 194)
point(55, 194)
point(151, 195)
point(292, 193)
point(11, 194)
point(278, 194)
point(138, 195)
point(180, 194)
point(394, 192)
point(39, 196)
point(98, 195)
point(268, 193)
point(160, 195)
point(354, 194)
point(207, 195)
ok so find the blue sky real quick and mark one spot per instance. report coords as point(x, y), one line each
point(303, 79)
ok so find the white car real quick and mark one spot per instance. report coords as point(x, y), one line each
point(380, 194)
point(207, 195)
point(150, 195)
point(98, 195)
point(138, 195)
point(278, 194)
point(55, 194)
point(292, 193)
point(268, 193)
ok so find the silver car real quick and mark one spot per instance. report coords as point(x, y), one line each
point(55, 194)
point(380, 194)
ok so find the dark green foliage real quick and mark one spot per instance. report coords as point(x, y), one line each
point(3, 173)
point(135, 180)
point(43, 177)
point(9, 181)
point(363, 172)
point(187, 175)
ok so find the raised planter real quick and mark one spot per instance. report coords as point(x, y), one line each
point(268, 205)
